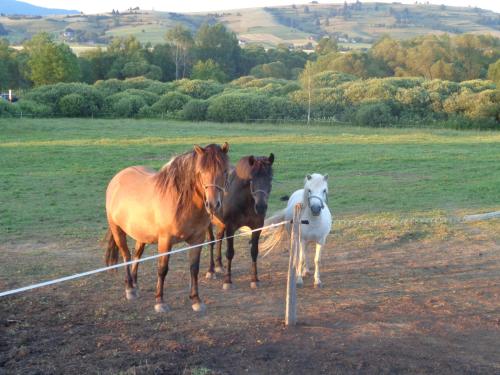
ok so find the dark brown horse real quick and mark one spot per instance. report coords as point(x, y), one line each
point(244, 204)
point(166, 207)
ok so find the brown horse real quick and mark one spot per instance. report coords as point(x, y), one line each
point(166, 207)
point(244, 204)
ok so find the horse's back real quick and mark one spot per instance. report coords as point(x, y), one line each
point(131, 181)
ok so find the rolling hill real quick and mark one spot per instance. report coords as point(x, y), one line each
point(354, 25)
point(13, 7)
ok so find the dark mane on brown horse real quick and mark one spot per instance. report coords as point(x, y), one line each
point(260, 167)
point(180, 172)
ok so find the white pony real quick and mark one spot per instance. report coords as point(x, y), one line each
point(315, 212)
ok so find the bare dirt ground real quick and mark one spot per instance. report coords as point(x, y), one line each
point(402, 301)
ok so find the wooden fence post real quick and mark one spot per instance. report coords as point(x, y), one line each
point(291, 287)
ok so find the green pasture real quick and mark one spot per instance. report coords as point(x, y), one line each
point(54, 172)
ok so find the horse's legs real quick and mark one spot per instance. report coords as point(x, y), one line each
point(211, 267)
point(254, 251)
point(164, 246)
point(194, 266)
point(317, 258)
point(218, 247)
point(229, 257)
point(301, 262)
point(121, 241)
point(139, 249)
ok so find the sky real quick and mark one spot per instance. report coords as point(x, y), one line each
point(96, 6)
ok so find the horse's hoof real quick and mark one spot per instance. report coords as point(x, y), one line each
point(318, 285)
point(161, 308)
point(219, 269)
point(210, 276)
point(254, 284)
point(299, 283)
point(199, 307)
point(227, 286)
point(131, 294)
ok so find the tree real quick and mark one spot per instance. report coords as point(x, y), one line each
point(326, 45)
point(182, 40)
point(306, 79)
point(49, 62)
point(275, 69)
point(494, 72)
point(208, 69)
point(216, 43)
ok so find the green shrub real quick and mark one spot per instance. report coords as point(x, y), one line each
point(195, 110)
point(161, 88)
point(330, 79)
point(33, 108)
point(124, 104)
point(284, 108)
point(50, 95)
point(149, 97)
point(75, 105)
point(238, 107)
point(7, 109)
point(170, 103)
point(146, 112)
point(374, 114)
point(198, 89)
point(139, 83)
point(478, 85)
point(110, 86)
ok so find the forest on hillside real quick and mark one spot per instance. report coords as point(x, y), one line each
point(208, 75)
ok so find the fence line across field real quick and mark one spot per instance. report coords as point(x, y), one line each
point(103, 269)
point(339, 222)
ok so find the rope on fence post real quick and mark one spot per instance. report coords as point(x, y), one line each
point(291, 287)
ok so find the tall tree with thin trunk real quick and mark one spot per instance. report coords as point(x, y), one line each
point(307, 83)
point(182, 40)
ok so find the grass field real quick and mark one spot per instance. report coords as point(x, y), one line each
point(413, 298)
point(54, 172)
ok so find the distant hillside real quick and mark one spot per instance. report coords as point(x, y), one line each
point(13, 7)
point(354, 25)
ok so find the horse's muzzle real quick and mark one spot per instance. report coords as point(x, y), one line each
point(261, 209)
point(213, 208)
point(316, 209)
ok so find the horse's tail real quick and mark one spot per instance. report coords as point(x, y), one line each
point(111, 255)
point(273, 236)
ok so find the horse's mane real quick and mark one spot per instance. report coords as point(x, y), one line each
point(179, 174)
point(261, 167)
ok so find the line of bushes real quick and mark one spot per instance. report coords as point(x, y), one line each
point(371, 102)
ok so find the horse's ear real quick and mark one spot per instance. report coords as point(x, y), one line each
point(271, 158)
point(199, 150)
point(325, 177)
point(225, 147)
point(308, 176)
point(251, 160)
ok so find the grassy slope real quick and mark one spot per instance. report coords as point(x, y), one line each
point(259, 26)
point(54, 172)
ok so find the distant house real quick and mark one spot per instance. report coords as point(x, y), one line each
point(69, 33)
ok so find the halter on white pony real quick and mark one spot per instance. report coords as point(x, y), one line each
point(315, 193)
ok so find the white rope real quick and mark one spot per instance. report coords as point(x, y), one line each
point(92, 272)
